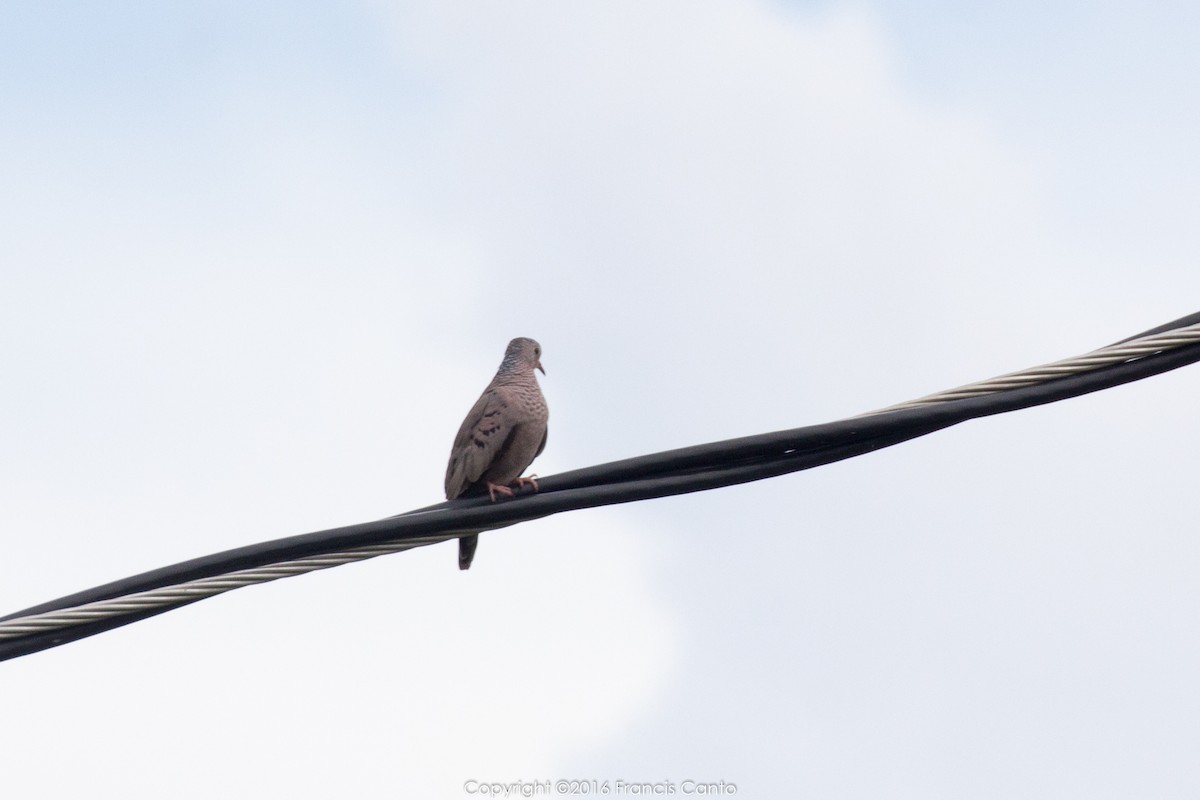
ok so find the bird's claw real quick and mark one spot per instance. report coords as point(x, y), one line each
point(496, 487)
point(531, 481)
point(521, 483)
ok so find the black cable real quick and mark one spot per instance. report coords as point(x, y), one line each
point(681, 471)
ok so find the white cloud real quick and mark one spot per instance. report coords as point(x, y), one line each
point(719, 219)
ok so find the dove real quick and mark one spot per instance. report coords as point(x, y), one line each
point(501, 436)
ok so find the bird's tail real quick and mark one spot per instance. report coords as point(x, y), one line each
point(466, 550)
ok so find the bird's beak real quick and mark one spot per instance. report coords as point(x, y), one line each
point(539, 366)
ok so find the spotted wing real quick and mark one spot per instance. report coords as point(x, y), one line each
point(480, 440)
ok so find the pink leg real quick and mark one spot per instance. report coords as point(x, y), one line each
point(531, 480)
point(496, 487)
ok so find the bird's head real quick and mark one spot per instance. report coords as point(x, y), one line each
point(524, 352)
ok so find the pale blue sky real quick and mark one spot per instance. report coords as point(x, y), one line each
point(260, 258)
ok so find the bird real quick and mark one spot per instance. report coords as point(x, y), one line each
point(503, 433)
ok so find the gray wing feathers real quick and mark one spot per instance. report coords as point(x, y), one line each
point(480, 439)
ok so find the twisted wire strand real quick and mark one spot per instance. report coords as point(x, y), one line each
point(206, 587)
point(200, 588)
point(1113, 354)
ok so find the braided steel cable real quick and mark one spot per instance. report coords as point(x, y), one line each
point(1113, 354)
point(689, 469)
point(191, 591)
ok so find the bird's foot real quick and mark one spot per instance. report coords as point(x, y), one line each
point(493, 488)
point(523, 482)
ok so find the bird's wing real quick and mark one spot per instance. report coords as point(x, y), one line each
point(480, 440)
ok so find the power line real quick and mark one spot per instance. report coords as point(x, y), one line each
point(690, 469)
